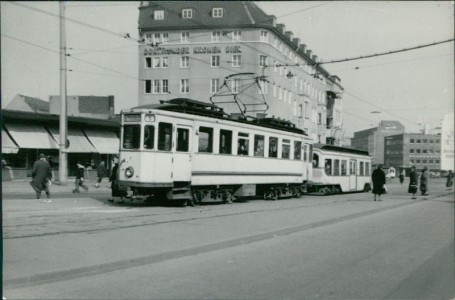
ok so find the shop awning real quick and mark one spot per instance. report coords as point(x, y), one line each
point(8, 146)
point(78, 142)
point(31, 136)
point(105, 141)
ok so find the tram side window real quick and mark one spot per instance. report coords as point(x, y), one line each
point(205, 139)
point(286, 149)
point(165, 136)
point(361, 169)
point(352, 170)
point(131, 136)
point(367, 169)
point(328, 167)
point(225, 141)
point(336, 167)
point(259, 145)
point(315, 160)
point(273, 147)
point(305, 154)
point(149, 137)
point(343, 167)
point(243, 143)
point(183, 139)
point(297, 150)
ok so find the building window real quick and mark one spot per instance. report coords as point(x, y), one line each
point(411, 141)
point(214, 85)
point(285, 95)
point(411, 150)
point(165, 38)
point(319, 118)
point(264, 36)
point(187, 13)
point(424, 141)
point(217, 12)
point(263, 87)
point(156, 86)
point(300, 112)
point(216, 35)
point(274, 90)
point(157, 38)
point(235, 86)
point(164, 62)
point(165, 86)
point(185, 62)
point(236, 60)
point(185, 37)
point(280, 93)
point(184, 86)
point(412, 161)
point(236, 35)
point(215, 61)
point(263, 60)
point(156, 62)
point(148, 62)
point(418, 141)
point(417, 150)
point(148, 86)
point(307, 110)
point(158, 15)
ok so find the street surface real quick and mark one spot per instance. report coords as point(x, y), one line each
point(79, 246)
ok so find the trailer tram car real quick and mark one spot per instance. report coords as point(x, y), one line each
point(184, 149)
point(339, 170)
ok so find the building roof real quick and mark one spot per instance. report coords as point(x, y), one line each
point(35, 104)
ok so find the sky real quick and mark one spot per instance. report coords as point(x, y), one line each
point(414, 87)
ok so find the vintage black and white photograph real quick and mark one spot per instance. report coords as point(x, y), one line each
point(227, 150)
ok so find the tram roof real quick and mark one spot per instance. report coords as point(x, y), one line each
point(194, 107)
point(339, 149)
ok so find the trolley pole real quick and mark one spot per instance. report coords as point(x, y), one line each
point(63, 164)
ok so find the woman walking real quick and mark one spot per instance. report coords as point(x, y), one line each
point(413, 182)
point(424, 182)
point(378, 178)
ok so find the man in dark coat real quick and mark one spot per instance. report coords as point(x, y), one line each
point(413, 182)
point(378, 178)
point(116, 191)
point(41, 174)
point(79, 182)
point(424, 182)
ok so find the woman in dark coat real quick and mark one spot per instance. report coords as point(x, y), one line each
point(413, 182)
point(424, 182)
point(116, 192)
point(378, 178)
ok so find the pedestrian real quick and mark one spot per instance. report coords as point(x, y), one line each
point(449, 181)
point(401, 177)
point(116, 191)
point(424, 182)
point(42, 175)
point(413, 182)
point(378, 178)
point(79, 182)
point(100, 172)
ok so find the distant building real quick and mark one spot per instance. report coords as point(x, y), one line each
point(204, 49)
point(372, 140)
point(413, 149)
point(99, 107)
point(447, 142)
point(28, 104)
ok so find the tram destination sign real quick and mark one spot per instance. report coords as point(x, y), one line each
point(194, 50)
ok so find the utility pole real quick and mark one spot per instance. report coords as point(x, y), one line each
point(63, 164)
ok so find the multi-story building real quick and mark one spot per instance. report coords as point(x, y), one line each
point(372, 140)
point(234, 54)
point(413, 149)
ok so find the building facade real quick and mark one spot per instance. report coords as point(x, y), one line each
point(372, 140)
point(233, 54)
point(447, 142)
point(413, 149)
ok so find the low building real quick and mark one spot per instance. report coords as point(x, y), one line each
point(402, 151)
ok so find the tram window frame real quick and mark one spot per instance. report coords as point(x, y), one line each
point(361, 173)
point(336, 167)
point(182, 140)
point(353, 167)
point(286, 149)
point(205, 133)
point(328, 166)
point(149, 137)
point(273, 147)
point(134, 140)
point(225, 141)
point(367, 168)
point(305, 154)
point(258, 147)
point(165, 145)
point(243, 139)
point(315, 161)
point(343, 167)
point(298, 150)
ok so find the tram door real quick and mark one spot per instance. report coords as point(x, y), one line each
point(182, 155)
point(352, 174)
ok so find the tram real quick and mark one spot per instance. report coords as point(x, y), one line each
point(184, 149)
point(339, 170)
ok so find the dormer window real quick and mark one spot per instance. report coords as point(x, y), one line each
point(217, 12)
point(158, 15)
point(187, 13)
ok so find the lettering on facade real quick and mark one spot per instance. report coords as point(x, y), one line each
point(196, 50)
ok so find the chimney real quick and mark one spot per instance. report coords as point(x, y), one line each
point(281, 28)
point(308, 53)
point(272, 20)
point(302, 48)
point(315, 58)
point(289, 35)
point(296, 41)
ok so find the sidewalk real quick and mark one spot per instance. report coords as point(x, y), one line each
point(23, 187)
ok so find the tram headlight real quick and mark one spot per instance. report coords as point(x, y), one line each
point(129, 172)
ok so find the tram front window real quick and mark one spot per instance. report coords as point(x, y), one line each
point(149, 137)
point(131, 136)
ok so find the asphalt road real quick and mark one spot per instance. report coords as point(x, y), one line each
point(339, 247)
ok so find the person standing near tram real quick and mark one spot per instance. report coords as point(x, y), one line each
point(378, 178)
point(413, 182)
